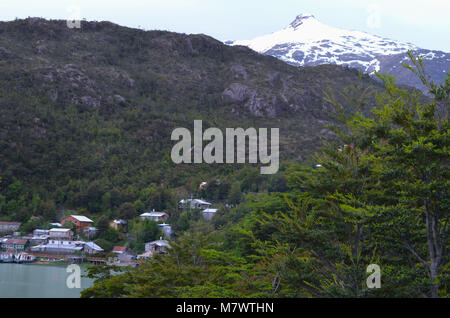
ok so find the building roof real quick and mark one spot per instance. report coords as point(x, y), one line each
point(10, 223)
point(195, 200)
point(82, 218)
point(210, 210)
point(58, 247)
point(73, 245)
point(40, 237)
point(56, 224)
point(94, 246)
point(145, 255)
point(15, 241)
point(59, 230)
point(120, 249)
point(201, 201)
point(154, 214)
point(120, 221)
point(39, 230)
point(160, 243)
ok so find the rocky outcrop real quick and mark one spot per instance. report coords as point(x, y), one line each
point(258, 104)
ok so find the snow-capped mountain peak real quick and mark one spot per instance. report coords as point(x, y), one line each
point(307, 41)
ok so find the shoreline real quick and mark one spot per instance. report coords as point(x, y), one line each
point(84, 264)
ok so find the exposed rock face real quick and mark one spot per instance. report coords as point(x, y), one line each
point(257, 104)
point(237, 93)
point(87, 101)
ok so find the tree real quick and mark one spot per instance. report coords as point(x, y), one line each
point(143, 231)
point(33, 223)
point(102, 225)
point(48, 210)
point(409, 143)
point(127, 211)
point(235, 195)
point(379, 195)
point(139, 206)
point(405, 142)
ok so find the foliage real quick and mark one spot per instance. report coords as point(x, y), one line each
point(377, 195)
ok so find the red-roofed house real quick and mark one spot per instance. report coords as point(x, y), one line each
point(9, 226)
point(16, 244)
point(119, 250)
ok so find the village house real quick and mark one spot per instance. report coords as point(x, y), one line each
point(90, 231)
point(155, 216)
point(62, 234)
point(39, 239)
point(123, 258)
point(166, 229)
point(17, 244)
point(157, 247)
point(119, 250)
point(81, 222)
point(67, 247)
point(145, 255)
point(193, 204)
point(118, 225)
point(56, 246)
point(92, 248)
point(39, 232)
point(208, 214)
point(9, 226)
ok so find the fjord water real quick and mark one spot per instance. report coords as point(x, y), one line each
point(39, 281)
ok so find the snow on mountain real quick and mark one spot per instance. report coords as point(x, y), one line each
point(307, 41)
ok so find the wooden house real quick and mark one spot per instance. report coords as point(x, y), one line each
point(81, 222)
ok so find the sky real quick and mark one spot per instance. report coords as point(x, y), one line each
point(425, 23)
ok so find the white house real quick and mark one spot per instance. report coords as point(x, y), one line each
point(58, 233)
point(194, 204)
point(92, 248)
point(155, 216)
point(208, 214)
point(55, 246)
point(157, 247)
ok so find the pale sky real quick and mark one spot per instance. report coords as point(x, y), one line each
point(425, 23)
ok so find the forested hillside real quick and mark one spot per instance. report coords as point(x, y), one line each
point(86, 114)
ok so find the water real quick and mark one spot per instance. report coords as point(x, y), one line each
point(40, 281)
